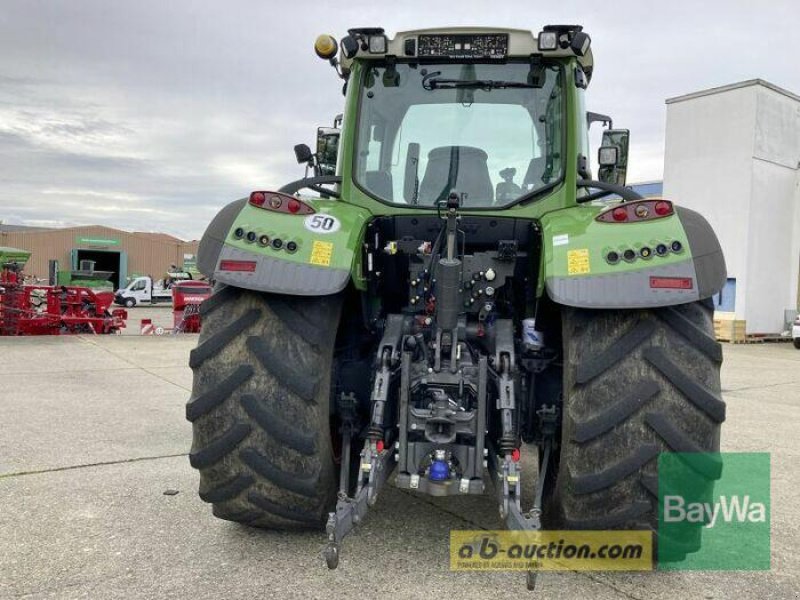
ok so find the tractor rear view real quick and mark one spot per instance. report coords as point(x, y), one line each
point(460, 292)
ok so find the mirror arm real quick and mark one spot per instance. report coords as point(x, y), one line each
point(606, 189)
point(313, 183)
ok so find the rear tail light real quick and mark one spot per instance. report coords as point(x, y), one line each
point(663, 208)
point(279, 202)
point(619, 214)
point(637, 211)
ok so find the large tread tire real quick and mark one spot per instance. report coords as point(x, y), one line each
point(636, 383)
point(260, 407)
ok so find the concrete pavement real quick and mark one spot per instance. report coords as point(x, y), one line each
point(94, 433)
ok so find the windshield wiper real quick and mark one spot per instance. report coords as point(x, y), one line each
point(439, 83)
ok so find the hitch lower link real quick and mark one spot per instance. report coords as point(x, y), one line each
point(510, 488)
point(376, 465)
point(376, 462)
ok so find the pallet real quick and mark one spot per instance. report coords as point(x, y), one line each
point(731, 330)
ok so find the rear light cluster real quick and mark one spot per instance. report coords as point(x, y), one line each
point(637, 211)
point(645, 252)
point(279, 202)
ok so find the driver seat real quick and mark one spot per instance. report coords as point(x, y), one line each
point(463, 168)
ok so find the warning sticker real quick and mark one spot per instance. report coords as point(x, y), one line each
point(321, 253)
point(578, 261)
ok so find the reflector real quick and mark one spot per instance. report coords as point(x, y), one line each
point(245, 266)
point(673, 283)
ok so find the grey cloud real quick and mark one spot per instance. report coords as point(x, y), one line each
point(152, 115)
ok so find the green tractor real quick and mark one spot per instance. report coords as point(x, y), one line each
point(453, 287)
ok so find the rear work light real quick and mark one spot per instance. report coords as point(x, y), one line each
point(241, 266)
point(279, 202)
point(637, 211)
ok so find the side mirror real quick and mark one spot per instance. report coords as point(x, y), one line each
point(327, 150)
point(613, 156)
point(303, 153)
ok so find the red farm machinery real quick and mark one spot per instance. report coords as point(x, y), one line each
point(186, 299)
point(51, 310)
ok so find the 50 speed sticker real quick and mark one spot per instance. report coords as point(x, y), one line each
point(322, 223)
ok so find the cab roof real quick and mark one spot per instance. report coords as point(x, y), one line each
point(521, 43)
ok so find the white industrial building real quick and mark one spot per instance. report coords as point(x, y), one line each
point(733, 154)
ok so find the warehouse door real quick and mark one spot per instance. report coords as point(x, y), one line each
point(104, 260)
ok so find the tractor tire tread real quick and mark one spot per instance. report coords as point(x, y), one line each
point(637, 384)
point(281, 430)
point(216, 449)
point(211, 398)
point(211, 346)
point(259, 408)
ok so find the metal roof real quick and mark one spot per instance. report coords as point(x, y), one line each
point(734, 86)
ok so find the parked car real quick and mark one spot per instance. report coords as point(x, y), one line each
point(796, 332)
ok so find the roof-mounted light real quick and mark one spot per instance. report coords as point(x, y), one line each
point(555, 37)
point(580, 43)
point(548, 40)
point(377, 44)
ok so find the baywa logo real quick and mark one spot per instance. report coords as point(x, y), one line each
point(714, 511)
point(729, 508)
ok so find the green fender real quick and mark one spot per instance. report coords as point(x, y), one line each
point(577, 271)
point(325, 246)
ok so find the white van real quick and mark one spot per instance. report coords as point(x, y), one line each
point(142, 289)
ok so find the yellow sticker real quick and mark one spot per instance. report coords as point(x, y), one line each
point(578, 261)
point(321, 253)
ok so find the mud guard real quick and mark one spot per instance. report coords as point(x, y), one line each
point(321, 264)
point(578, 272)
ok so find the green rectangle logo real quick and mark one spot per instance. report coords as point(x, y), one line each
point(87, 241)
point(714, 511)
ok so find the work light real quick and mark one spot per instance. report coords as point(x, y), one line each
point(377, 44)
point(548, 40)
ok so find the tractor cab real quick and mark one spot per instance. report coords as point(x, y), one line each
point(485, 112)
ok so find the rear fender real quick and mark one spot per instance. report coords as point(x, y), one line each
point(321, 264)
point(577, 271)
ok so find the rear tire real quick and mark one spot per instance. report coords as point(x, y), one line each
point(796, 343)
point(260, 407)
point(636, 383)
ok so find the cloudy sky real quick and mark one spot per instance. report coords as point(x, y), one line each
point(150, 115)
